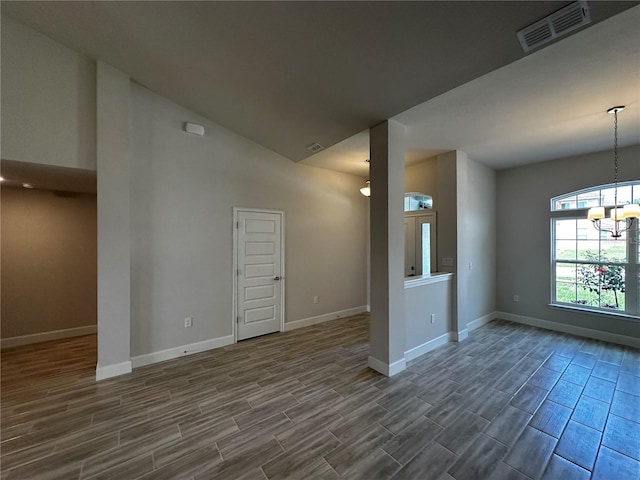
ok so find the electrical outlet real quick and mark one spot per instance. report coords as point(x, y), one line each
point(433, 318)
point(516, 298)
point(316, 299)
point(188, 322)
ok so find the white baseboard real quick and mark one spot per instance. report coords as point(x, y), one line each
point(46, 336)
point(478, 322)
point(112, 370)
point(458, 336)
point(307, 322)
point(397, 367)
point(171, 353)
point(388, 370)
point(420, 350)
point(564, 328)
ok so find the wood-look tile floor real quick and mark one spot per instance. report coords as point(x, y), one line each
point(511, 402)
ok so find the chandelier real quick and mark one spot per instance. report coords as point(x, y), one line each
point(620, 219)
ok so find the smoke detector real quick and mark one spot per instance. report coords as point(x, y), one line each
point(554, 26)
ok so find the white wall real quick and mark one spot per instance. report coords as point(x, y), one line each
point(523, 229)
point(423, 177)
point(183, 190)
point(446, 209)
point(464, 199)
point(420, 303)
point(48, 100)
point(114, 229)
point(48, 262)
point(476, 262)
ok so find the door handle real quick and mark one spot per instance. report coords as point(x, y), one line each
point(276, 278)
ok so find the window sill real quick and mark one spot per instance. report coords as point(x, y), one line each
point(599, 313)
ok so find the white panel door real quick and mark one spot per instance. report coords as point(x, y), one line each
point(260, 284)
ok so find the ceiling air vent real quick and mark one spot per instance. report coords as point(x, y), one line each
point(554, 26)
point(314, 147)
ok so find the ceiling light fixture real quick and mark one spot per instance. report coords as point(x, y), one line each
point(1, 179)
point(366, 191)
point(28, 185)
point(616, 214)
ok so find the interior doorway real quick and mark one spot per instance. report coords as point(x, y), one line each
point(49, 266)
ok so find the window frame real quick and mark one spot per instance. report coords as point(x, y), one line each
point(631, 265)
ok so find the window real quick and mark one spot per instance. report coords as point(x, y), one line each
point(417, 201)
point(590, 270)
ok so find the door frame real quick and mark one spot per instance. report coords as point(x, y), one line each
point(234, 270)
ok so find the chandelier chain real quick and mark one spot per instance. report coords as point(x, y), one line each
point(615, 157)
point(625, 215)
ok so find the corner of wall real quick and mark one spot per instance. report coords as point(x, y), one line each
point(114, 370)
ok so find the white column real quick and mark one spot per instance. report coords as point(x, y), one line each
point(114, 241)
point(387, 333)
point(448, 226)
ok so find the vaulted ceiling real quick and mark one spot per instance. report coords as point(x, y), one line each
point(287, 74)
